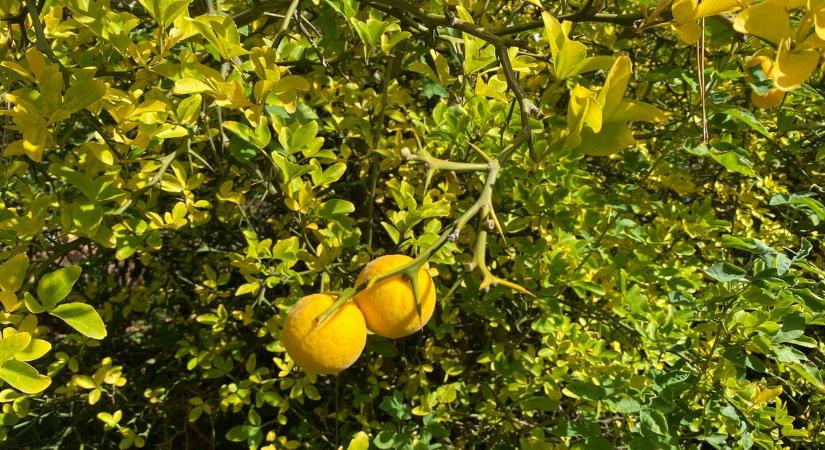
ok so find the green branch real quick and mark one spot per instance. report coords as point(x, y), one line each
point(484, 204)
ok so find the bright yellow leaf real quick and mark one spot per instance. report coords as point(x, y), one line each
point(584, 109)
point(713, 7)
point(768, 20)
point(793, 67)
point(684, 21)
point(614, 86)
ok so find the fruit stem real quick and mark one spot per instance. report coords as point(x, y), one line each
point(412, 275)
point(342, 298)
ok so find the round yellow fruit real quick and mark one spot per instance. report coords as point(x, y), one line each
point(330, 347)
point(389, 306)
point(770, 100)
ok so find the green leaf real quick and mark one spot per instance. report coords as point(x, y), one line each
point(627, 406)
point(165, 11)
point(370, 31)
point(724, 272)
point(539, 404)
point(746, 441)
point(788, 354)
point(303, 137)
point(189, 108)
point(653, 421)
point(240, 433)
point(288, 169)
point(386, 438)
point(735, 163)
point(82, 318)
point(32, 304)
point(335, 208)
point(83, 93)
point(746, 117)
point(262, 135)
point(395, 235)
point(23, 377)
point(54, 287)
point(395, 406)
point(811, 374)
point(585, 390)
point(286, 248)
point(330, 175)
point(13, 271)
point(243, 131)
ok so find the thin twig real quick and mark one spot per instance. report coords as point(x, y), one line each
point(282, 30)
point(376, 140)
point(700, 68)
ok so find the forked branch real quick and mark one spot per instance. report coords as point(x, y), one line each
point(483, 204)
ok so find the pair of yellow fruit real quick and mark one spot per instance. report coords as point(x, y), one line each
point(387, 308)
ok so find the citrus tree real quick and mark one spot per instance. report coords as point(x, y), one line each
point(410, 225)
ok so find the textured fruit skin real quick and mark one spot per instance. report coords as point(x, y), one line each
point(770, 100)
point(329, 348)
point(389, 306)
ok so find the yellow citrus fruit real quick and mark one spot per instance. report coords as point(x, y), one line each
point(772, 99)
point(330, 347)
point(389, 305)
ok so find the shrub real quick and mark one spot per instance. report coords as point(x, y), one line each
point(619, 205)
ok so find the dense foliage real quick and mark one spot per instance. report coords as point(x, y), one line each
point(620, 204)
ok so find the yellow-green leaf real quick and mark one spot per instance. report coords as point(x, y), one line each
point(82, 318)
point(614, 86)
point(630, 110)
point(612, 138)
point(13, 271)
point(84, 381)
point(35, 349)
point(12, 344)
point(83, 93)
point(765, 395)
point(23, 377)
point(187, 86)
point(361, 441)
point(54, 287)
point(9, 300)
point(583, 110)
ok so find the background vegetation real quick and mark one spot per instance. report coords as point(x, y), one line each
point(176, 174)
